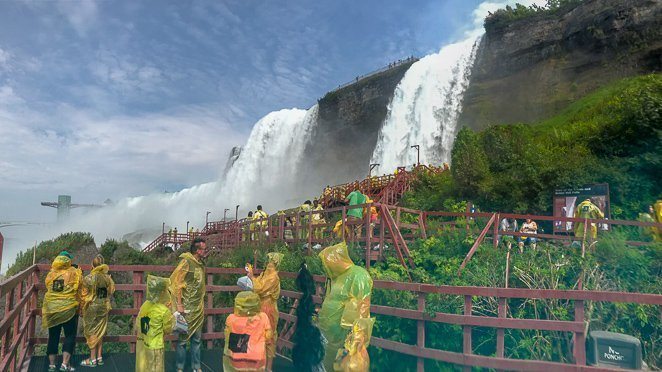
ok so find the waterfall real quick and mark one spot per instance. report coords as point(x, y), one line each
point(425, 107)
point(270, 160)
point(234, 155)
point(265, 167)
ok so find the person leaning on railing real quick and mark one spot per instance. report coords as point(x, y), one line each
point(96, 290)
point(60, 309)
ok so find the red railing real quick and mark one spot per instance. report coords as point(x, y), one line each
point(171, 239)
point(21, 291)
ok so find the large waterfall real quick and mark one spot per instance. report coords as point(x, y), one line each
point(269, 161)
point(263, 173)
point(425, 108)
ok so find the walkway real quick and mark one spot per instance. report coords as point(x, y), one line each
point(125, 362)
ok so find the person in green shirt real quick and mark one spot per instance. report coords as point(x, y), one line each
point(355, 198)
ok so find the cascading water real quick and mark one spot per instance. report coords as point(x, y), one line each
point(265, 167)
point(269, 161)
point(425, 107)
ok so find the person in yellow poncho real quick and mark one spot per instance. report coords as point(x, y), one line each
point(261, 220)
point(304, 215)
point(347, 298)
point(60, 308)
point(318, 219)
point(154, 322)
point(188, 290)
point(267, 287)
point(247, 334)
point(657, 216)
point(96, 290)
point(587, 209)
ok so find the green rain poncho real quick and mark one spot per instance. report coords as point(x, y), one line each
point(96, 290)
point(188, 281)
point(154, 321)
point(347, 298)
point(586, 209)
point(61, 298)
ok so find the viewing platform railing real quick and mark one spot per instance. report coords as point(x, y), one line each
point(23, 291)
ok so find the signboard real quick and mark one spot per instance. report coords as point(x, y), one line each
point(608, 349)
point(566, 201)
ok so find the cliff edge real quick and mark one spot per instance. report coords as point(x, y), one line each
point(531, 68)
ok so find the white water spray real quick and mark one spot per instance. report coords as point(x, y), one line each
point(265, 168)
point(425, 107)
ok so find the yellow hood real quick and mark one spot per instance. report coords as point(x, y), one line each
point(275, 258)
point(336, 260)
point(246, 303)
point(61, 263)
point(157, 289)
point(101, 269)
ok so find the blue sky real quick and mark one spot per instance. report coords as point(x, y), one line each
point(105, 99)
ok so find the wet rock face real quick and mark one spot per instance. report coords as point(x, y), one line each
point(531, 68)
point(348, 126)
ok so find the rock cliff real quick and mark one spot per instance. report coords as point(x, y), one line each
point(531, 68)
point(348, 125)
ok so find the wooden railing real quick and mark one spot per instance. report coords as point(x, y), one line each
point(17, 328)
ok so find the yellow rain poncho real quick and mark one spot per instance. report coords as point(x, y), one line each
point(338, 229)
point(267, 287)
point(347, 298)
point(154, 321)
point(261, 219)
point(657, 208)
point(96, 290)
point(586, 209)
point(354, 356)
point(61, 298)
point(318, 219)
point(247, 332)
point(188, 282)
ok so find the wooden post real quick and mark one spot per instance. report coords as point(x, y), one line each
point(344, 222)
point(281, 227)
point(579, 341)
point(382, 240)
point(33, 306)
point(420, 333)
point(210, 304)
point(500, 346)
point(421, 225)
point(495, 231)
point(310, 231)
point(466, 331)
point(397, 217)
point(6, 340)
point(137, 301)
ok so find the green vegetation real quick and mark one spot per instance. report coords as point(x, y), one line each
point(613, 135)
point(505, 16)
point(47, 250)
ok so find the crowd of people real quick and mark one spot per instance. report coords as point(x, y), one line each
point(177, 304)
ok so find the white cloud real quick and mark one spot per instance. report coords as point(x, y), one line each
point(71, 149)
point(81, 15)
point(124, 74)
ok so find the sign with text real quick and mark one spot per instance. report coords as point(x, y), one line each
point(614, 350)
point(566, 201)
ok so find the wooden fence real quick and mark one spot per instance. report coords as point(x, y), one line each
point(21, 292)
